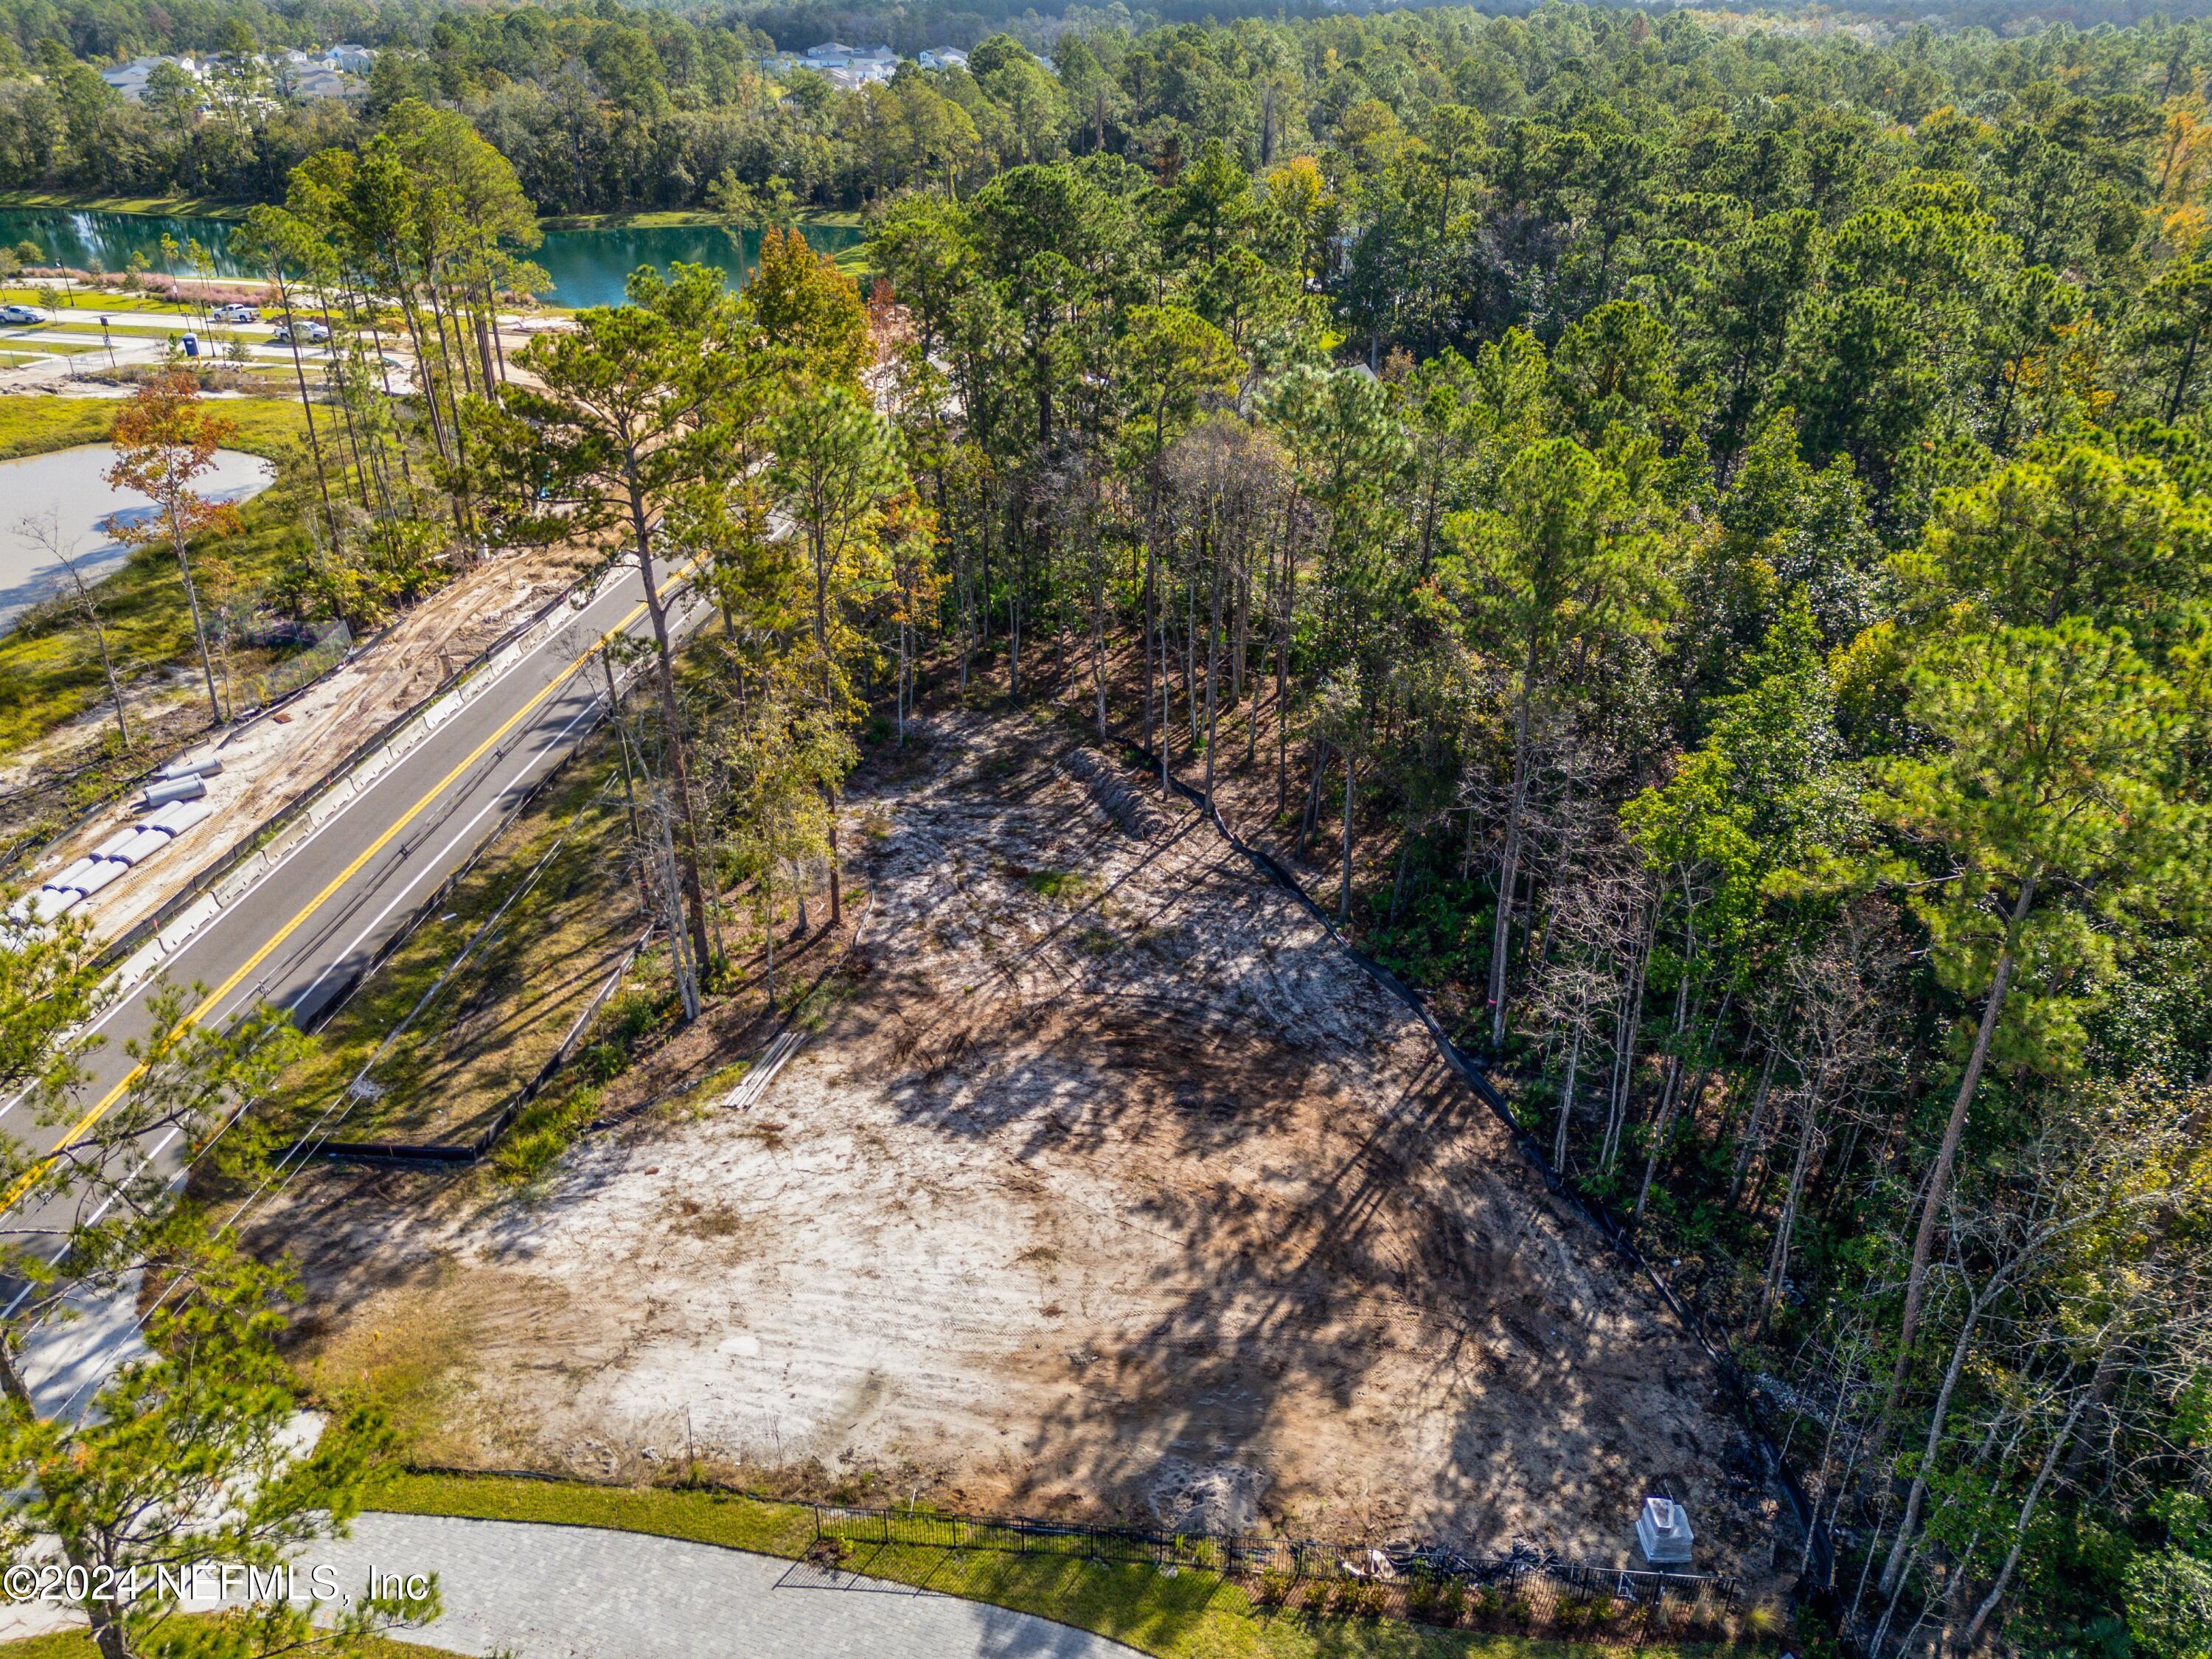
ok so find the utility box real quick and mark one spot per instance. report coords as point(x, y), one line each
point(1664, 1531)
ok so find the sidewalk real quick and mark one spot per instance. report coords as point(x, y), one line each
point(545, 1592)
point(579, 1593)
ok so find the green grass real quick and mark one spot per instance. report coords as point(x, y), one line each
point(180, 207)
point(31, 425)
point(268, 426)
point(1193, 1615)
point(499, 1017)
point(838, 218)
point(1072, 888)
point(49, 670)
point(108, 301)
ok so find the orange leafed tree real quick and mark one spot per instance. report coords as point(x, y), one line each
point(165, 438)
point(809, 307)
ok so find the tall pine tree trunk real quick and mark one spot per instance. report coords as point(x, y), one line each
point(1509, 875)
point(1939, 1181)
point(672, 715)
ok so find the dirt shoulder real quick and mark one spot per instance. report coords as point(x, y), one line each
point(270, 761)
point(1109, 1188)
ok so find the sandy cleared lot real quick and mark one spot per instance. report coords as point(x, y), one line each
point(1108, 1188)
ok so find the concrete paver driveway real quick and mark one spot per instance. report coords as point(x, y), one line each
point(579, 1593)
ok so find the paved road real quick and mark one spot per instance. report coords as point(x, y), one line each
point(49, 368)
point(579, 1593)
point(545, 1592)
point(310, 924)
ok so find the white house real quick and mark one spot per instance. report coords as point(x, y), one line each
point(943, 57)
point(849, 68)
point(314, 75)
point(351, 58)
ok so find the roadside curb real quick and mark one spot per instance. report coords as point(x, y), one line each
point(139, 952)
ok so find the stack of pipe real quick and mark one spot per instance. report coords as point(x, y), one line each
point(174, 813)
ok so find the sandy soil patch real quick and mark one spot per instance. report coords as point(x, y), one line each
point(1109, 1188)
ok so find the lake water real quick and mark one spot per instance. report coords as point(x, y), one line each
point(67, 483)
point(588, 267)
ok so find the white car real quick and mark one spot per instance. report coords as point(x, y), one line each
point(21, 314)
point(310, 332)
point(237, 313)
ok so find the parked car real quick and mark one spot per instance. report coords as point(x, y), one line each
point(310, 332)
point(237, 313)
point(21, 314)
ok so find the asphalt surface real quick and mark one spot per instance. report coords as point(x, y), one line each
point(307, 929)
point(558, 1592)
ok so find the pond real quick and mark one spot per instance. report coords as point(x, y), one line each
point(588, 267)
point(64, 488)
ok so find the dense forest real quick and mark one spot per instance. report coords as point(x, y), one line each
point(601, 109)
point(1697, 537)
point(1692, 528)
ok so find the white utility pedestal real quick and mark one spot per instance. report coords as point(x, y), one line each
point(1664, 1531)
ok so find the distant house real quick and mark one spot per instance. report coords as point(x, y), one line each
point(131, 78)
point(317, 74)
point(851, 67)
point(317, 81)
point(943, 57)
point(351, 58)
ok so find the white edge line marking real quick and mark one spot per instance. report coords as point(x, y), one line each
point(314, 834)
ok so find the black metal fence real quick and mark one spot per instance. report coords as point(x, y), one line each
point(1526, 1590)
point(1820, 1559)
point(262, 693)
point(333, 643)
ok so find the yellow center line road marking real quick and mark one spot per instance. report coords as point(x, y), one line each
point(76, 1131)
